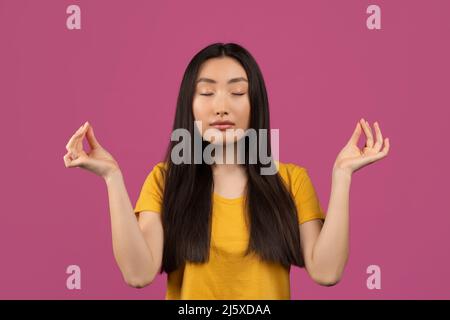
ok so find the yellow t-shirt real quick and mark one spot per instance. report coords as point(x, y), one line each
point(229, 274)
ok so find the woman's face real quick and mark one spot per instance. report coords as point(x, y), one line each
point(221, 95)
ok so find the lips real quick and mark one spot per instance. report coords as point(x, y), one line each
point(222, 125)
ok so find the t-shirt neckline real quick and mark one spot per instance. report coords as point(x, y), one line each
point(227, 200)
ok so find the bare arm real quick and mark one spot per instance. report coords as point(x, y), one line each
point(132, 240)
point(326, 247)
point(137, 244)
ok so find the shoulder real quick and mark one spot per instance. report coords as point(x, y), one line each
point(157, 172)
point(290, 171)
point(160, 166)
point(293, 175)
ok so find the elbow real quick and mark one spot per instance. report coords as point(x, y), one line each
point(327, 279)
point(327, 276)
point(328, 282)
point(138, 282)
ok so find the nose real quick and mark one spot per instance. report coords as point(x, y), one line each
point(220, 105)
point(221, 113)
point(220, 109)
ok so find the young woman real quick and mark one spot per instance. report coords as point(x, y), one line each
point(224, 230)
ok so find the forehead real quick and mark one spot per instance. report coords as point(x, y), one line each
point(221, 70)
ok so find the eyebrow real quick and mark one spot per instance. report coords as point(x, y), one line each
point(214, 81)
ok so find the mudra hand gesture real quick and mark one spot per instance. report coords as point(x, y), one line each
point(98, 160)
point(351, 158)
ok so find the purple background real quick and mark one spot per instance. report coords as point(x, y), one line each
point(324, 70)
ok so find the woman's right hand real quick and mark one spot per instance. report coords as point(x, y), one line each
point(98, 160)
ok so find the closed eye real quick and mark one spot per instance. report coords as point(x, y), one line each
point(210, 94)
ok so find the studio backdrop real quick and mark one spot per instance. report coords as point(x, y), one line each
point(326, 64)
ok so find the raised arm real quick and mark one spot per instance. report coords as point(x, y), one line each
point(137, 246)
point(326, 247)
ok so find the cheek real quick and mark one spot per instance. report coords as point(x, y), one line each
point(244, 115)
point(198, 110)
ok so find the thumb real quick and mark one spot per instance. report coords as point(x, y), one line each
point(71, 162)
point(355, 136)
point(93, 142)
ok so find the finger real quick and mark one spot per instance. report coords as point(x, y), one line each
point(378, 144)
point(69, 162)
point(77, 162)
point(355, 135)
point(387, 145)
point(93, 142)
point(383, 153)
point(368, 133)
point(74, 142)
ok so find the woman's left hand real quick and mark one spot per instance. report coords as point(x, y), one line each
point(351, 158)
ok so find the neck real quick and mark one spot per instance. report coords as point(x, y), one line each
point(225, 166)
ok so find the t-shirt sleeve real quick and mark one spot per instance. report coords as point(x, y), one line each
point(151, 195)
point(305, 196)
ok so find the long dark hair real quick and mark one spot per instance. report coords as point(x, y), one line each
point(271, 214)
